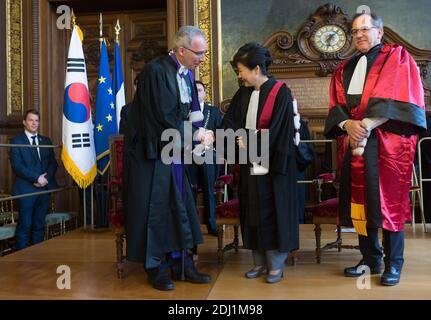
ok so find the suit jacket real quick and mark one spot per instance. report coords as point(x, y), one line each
point(124, 118)
point(214, 120)
point(27, 166)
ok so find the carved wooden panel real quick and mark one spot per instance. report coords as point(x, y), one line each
point(143, 36)
point(147, 38)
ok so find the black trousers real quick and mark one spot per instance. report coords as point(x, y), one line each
point(205, 176)
point(393, 248)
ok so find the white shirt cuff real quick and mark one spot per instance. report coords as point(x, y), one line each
point(341, 125)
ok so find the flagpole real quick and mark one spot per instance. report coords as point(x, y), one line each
point(118, 81)
point(85, 207)
point(92, 185)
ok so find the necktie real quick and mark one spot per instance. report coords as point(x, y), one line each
point(34, 143)
point(185, 91)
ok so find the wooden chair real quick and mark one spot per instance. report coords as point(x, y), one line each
point(227, 213)
point(415, 190)
point(326, 212)
point(8, 224)
point(116, 213)
point(58, 222)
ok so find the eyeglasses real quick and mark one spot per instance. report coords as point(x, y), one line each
point(355, 32)
point(199, 54)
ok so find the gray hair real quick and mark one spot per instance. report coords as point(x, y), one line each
point(377, 21)
point(185, 35)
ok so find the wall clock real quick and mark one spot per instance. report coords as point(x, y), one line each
point(329, 38)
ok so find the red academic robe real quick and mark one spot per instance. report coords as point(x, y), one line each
point(379, 181)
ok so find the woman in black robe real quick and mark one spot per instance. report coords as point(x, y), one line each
point(269, 217)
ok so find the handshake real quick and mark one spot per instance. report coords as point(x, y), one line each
point(206, 138)
point(359, 131)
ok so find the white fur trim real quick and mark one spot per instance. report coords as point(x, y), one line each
point(196, 116)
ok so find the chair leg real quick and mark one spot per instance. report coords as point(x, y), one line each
point(220, 243)
point(293, 257)
point(236, 238)
point(339, 240)
point(318, 233)
point(421, 208)
point(120, 264)
point(413, 208)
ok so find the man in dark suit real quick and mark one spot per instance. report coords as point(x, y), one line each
point(204, 175)
point(34, 170)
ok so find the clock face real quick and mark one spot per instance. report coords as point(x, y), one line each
point(329, 38)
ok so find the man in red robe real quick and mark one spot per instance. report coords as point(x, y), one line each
point(376, 112)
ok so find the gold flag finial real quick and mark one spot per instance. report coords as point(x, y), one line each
point(117, 31)
point(100, 28)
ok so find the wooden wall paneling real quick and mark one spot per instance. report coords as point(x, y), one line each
point(172, 19)
point(146, 38)
point(3, 83)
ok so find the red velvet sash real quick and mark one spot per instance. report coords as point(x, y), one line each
point(268, 107)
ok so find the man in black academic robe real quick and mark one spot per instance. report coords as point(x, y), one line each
point(161, 217)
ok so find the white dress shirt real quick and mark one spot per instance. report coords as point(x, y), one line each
point(30, 139)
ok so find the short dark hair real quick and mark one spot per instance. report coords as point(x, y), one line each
point(376, 20)
point(201, 83)
point(32, 111)
point(252, 55)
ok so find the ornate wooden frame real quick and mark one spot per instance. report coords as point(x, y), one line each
point(14, 57)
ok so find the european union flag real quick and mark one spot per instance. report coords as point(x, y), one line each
point(105, 122)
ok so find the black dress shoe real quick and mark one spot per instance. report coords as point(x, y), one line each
point(390, 277)
point(212, 231)
point(191, 274)
point(353, 272)
point(159, 279)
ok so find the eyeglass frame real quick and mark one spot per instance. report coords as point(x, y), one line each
point(354, 32)
point(199, 54)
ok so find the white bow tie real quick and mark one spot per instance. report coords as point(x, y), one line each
point(183, 71)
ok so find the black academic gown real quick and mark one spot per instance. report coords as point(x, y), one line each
point(269, 216)
point(158, 220)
